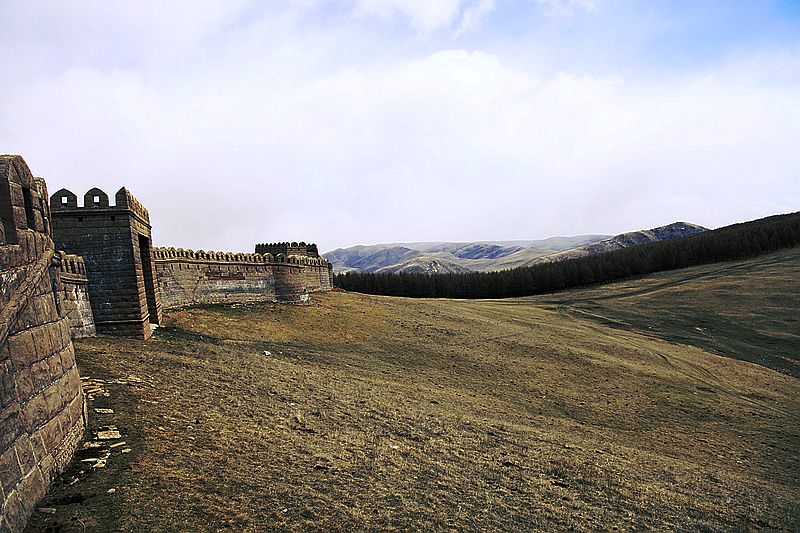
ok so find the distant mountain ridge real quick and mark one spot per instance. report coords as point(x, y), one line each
point(449, 256)
point(676, 230)
point(483, 256)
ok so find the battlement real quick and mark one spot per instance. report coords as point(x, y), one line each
point(71, 265)
point(96, 201)
point(182, 255)
point(288, 248)
point(22, 205)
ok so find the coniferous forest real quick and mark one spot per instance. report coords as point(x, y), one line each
point(737, 241)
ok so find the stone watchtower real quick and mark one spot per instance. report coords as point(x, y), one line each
point(115, 243)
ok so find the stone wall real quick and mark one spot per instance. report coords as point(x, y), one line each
point(186, 277)
point(75, 295)
point(115, 243)
point(41, 403)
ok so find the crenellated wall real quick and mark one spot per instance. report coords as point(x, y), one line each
point(41, 403)
point(288, 248)
point(75, 295)
point(187, 277)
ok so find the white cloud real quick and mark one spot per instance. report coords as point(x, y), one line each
point(424, 15)
point(264, 132)
point(567, 8)
point(472, 16)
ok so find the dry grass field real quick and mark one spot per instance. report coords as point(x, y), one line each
point(602, 408)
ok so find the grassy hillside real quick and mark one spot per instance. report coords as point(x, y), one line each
point(749, 310)
point(362, 412)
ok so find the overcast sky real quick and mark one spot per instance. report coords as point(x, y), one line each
point(362, 121)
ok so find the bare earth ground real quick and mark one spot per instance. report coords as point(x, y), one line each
point(586, 410)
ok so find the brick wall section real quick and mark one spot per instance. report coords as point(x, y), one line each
point(41, 403)
point(115, 243)
point(75, 295)
point(186, 277)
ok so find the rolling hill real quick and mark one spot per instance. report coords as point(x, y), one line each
point(458, 256)
point(455, 257)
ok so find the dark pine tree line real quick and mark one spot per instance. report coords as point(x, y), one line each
point(738, 241)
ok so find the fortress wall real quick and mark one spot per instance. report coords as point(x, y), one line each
point(186, 277)
point(75, 295)
point(41, 403)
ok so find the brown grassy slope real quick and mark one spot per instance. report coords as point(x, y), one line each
point(748, 310)
point(385, 413)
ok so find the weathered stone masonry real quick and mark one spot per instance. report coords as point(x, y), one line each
point(186, 277)
point(41, 404)
point(115, 243)
point(75, 295)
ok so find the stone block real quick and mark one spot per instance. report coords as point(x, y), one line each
point(41, 340)
point(38, 220)
point(27, 318)
point(22, 349)
point(75, 410)
point(16, 195)
point(32, 488)
point(10, 471)
point(40, 372)
point(27, 461)
point(39, 450)
point(55, 330)
point(4, 351)
point(55, 366)
point(47, 307)
point(15, 512)
point(23, 384)
point(65, 422)
point(52, 435)
point(20, 220)
point(12, 426)
point(8, 391)
point(48, 467)
point(34, 413)
point(72, 384)
point(52, 398)
point(67, 357)
point(65, 338)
